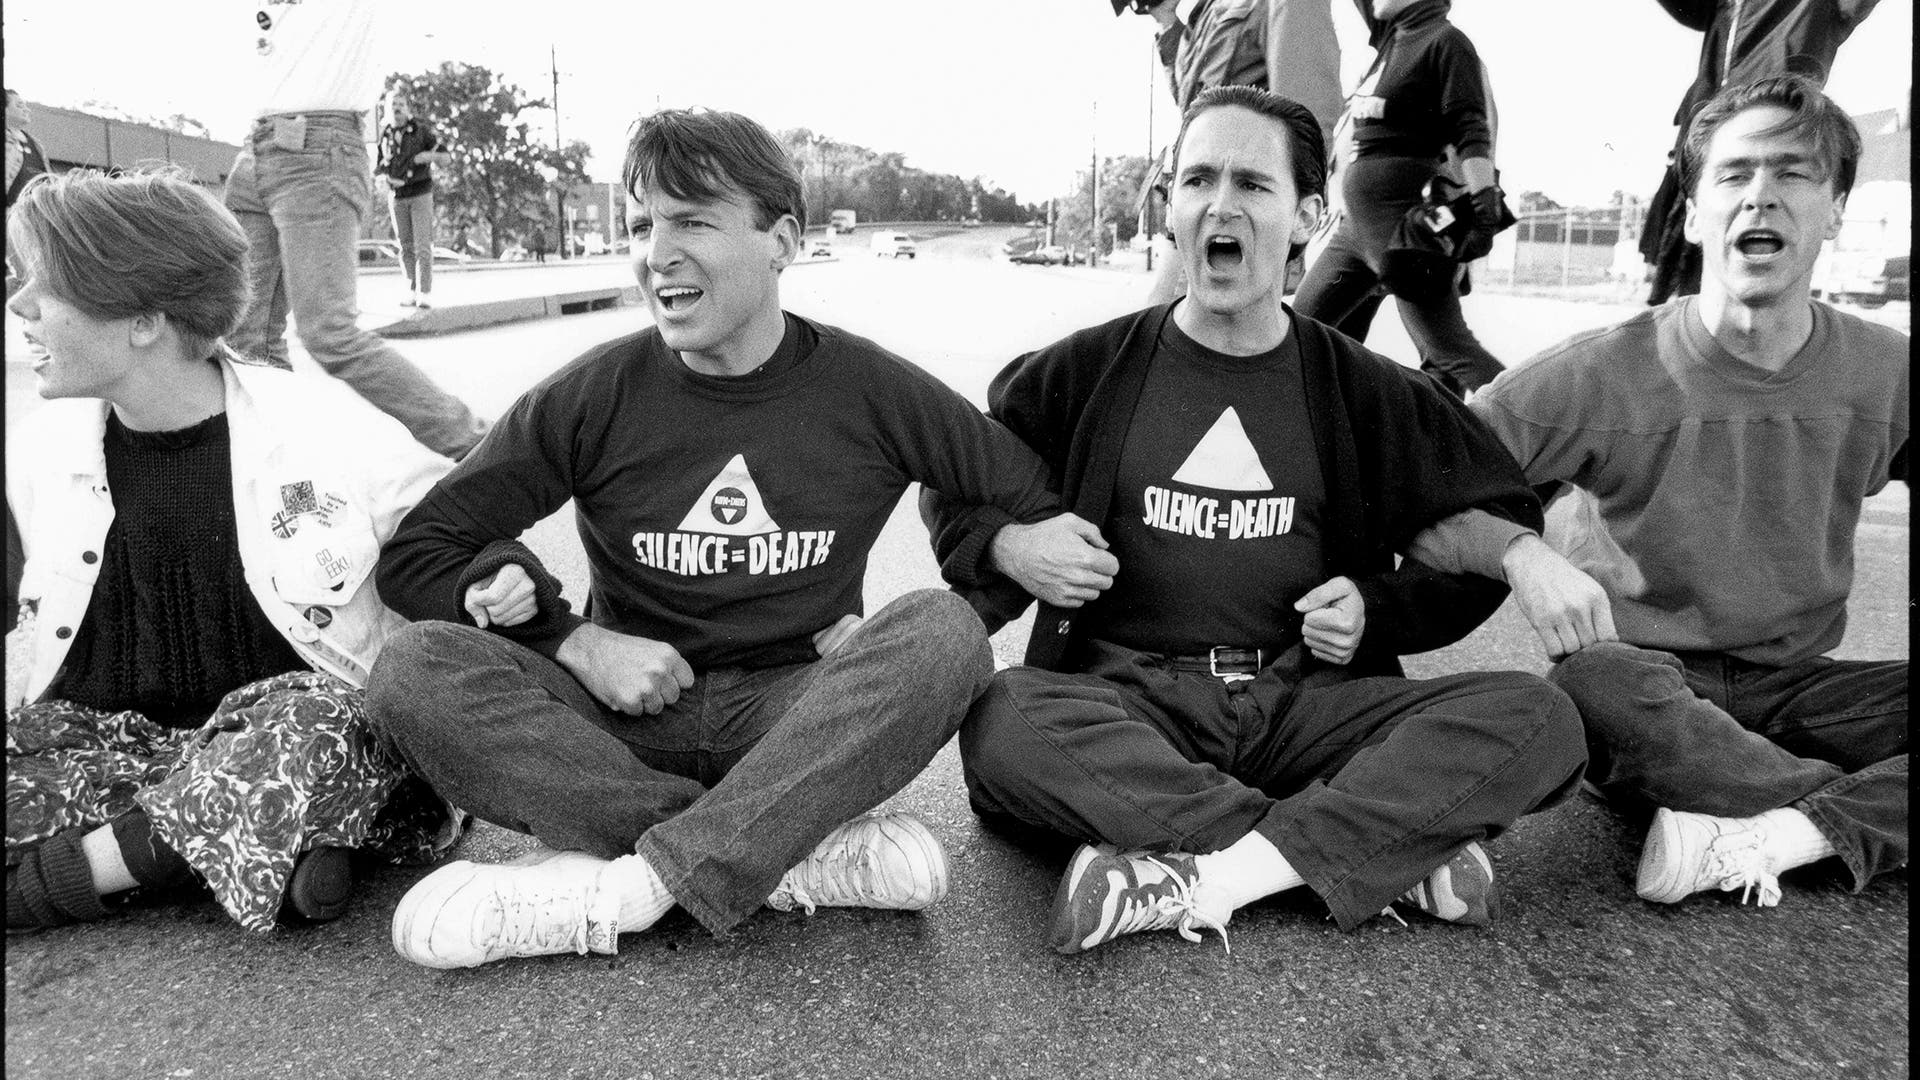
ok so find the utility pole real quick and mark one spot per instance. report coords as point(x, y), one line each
point(560, 193)
point(1147, 177)
point(1093, 230)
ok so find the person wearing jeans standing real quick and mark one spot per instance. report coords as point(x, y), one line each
point(301, 188)
point(409, 149)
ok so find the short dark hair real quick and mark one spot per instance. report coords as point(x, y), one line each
point(696, 154)
point(134, 243)
point(1304, 145)
point(1813, 116)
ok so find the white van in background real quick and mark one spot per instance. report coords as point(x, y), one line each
point(892, 244)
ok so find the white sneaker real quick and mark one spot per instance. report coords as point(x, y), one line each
point(888, 861)
point(1688, 853)
point(466, 914)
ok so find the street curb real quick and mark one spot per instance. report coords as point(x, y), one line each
point(454, 318)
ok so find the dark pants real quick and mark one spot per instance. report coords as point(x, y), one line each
point(1708, 733)
point(1364, 784)
point(723, 791)
point(1341, 287)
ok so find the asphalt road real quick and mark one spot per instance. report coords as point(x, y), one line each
point(1580, 979)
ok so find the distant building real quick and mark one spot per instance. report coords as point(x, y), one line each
point(596, 208)
point(78, 140)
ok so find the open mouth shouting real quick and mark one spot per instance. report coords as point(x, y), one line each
point(678, 297)
point(1223, 253)
point(1759, 244)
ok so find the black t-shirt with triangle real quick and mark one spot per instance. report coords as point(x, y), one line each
point(1218, 503)
point(728, 517)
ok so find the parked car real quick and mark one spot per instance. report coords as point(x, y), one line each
point(1050, 255)
point(379, 253)
point(819, 249)
point(1021, 245)
point(447, 254)
point(1869, 279)
point(893, 245)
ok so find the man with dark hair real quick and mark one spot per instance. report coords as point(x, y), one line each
point(1718, 449)
point(1213, 700)
point(727, 710)
point(1287, 47)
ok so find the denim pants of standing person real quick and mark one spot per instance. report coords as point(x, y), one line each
point(725, 789)
point(301, 188)
point(1712, 734)
point(413, 228)
point(1364, 784)
point(1341, 288)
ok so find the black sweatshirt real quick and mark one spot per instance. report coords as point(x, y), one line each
point(1426, 90)
point(728, 517)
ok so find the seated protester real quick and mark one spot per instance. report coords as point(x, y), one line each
point(714, 734)
point(1718, 448)
point(197, 606)
point(1225, 714)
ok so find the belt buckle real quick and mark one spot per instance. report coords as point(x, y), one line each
point(1213, 663)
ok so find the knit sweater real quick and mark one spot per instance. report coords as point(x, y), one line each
point(171, 627)
point(728, 517)
point(1395, 452)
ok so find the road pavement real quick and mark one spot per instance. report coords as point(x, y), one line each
point(1579, 979)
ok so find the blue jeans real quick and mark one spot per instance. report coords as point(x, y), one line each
point(413, 229)
point(1708, 733)
point(1364, 784)
point(302, 207)
point(722, 792)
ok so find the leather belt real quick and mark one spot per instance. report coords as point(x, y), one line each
point(1221, 661)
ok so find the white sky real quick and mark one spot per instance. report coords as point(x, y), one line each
point(1008, 91)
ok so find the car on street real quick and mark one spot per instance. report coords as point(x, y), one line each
point(1866, 278)
point(387, 253)
point(819, 249)
point(893, 245)
point(1048, 255)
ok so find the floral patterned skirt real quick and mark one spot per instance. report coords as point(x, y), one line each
point(283, 765)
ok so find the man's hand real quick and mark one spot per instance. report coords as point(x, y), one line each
point(1567, 608)
point(505, 599)
point(1336, 617)
point(628, 674)
point(836, 635)
point(1063, 560)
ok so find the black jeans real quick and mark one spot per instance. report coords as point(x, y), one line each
point(1364, 784)
point(1342, 286)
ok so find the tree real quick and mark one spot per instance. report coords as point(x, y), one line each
point(1534, 201)
point(1120, 181)
point(881, 186)
point(500, 182)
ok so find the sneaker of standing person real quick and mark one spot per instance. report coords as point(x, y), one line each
point(1688, 853)
point(1106, 893)
point(1461, 890)
point(890, 861)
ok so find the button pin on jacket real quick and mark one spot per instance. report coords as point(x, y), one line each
point(319, 616)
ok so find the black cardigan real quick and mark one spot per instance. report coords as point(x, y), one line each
point(1397, 453)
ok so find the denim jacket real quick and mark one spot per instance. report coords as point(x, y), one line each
point(319, 482)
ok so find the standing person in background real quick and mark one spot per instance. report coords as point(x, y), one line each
point(301, 188)
point(538, 243)
point(1425, 92)
point(1284, 46)
point(1745, 40)
point(409, 149)
point(25, 159)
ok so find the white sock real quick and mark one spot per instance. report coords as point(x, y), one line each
point(1792, 839)
point(642, 897)
point(1248, 869)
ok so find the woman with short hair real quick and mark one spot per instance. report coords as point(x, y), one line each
point(197, 611)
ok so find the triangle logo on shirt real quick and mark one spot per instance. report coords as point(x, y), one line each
point(731, 505)
point(1224, 459)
